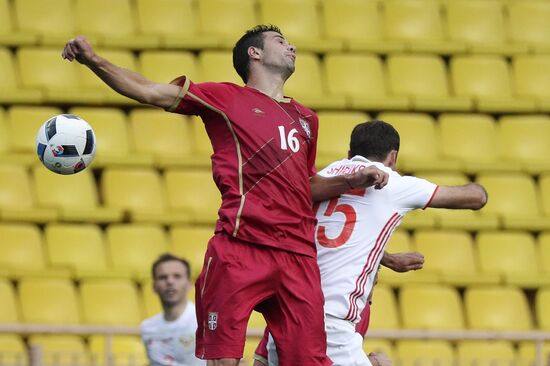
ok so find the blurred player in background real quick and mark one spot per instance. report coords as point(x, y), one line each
point(169, 337)
point(354, 228)
point(262, 255)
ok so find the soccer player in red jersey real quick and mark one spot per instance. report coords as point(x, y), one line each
point(262, 255)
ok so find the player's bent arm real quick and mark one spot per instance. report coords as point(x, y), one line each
point(469, 196)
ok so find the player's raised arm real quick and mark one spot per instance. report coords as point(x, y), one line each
point(123, 81)
point(469, 196)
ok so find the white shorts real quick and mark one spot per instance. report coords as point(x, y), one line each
point(344, 345)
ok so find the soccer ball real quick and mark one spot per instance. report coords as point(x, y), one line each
point(65, 144)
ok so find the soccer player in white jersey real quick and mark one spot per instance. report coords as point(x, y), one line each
point(353, 230)
point(169, 337)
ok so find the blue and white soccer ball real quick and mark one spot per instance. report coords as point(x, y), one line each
point(66, 144)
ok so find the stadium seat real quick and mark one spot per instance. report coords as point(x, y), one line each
point(419, 148)
point(300, 23)
point(530, 74)
point(193, 193)
point(8, 35)
point(496, 308)
point(400, 242)
point(202, 147)
point(486, 79)
point(61, 349)
point(511, 255)
point(307, 84)
point(379, 345)
point(544, 252)
point(110, 302)
point(11, 87)
point(75, 196)
point(424, 353)
point(151, 303)
point(481, 25)
point(362, 79)
point(42, 299)
point(165, 66)
point(190, 242)
point(434, 307)
point(542, 304)
point(485, 353)
point(527, 352)
point(249, 349)
point(21, 248)
point(528, 24)
point(17, 199)
point(419, 24)
point(226, 20)
point(9, 309)
point(127, 350)
point(165, 136)
point(423, 79)
point(334, 135)
point(256, 322)
point(362, 30)
point(174, 22)
point(23, 124)
point(134, 247)
point(519, 210)
point(112, 131)
point(217, 66)
point(384, 313)
point(13, 350)
point(112, 24)
point(524, 139)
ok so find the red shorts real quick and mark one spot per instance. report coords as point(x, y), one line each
point(238, 277)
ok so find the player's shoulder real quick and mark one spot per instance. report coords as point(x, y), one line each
point(302, 108)
point(151, 322)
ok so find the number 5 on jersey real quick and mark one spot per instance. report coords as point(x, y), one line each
point(290, 140)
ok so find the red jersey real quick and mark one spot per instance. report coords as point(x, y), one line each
point(264, 155)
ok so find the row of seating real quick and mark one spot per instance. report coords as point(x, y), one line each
point(506, 27)
point(359, 81)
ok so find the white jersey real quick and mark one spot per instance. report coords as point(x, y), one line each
point(353, 230)
point(171, 343)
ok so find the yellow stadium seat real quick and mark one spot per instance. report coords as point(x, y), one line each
point(519, 210)
point(21, 247)
point(524, 139)
point(8, 35)
point(112, 24)
point(17, 198)
point(362, 29)
point(419, 24)
point(127, 350)
point(400, 242)
point(249, 349)
point(9, 310)
point(11, 89)
point(48, 301)
point(497, 308)
point(379, 345)
point(13, 350)
point(202, 147)
point(348, 74)
point(165, 66)
point(544, 252)
point(528, 23)
point(430, 307)
point(308, 86)
point(419, 149)
point(481, 25)
point(113, 136)
point(423, 79)
point(173, 21)
point(151, 302)
point(527, 353)
point(542, 304)
point(256, 322)
point(424, 353)
point(217, 66)
point(23, 124)
point(75, 196)
point(190, 242)
point(110, 302)
point(134, 248)
point(193, 193)
point(226, 20)
point(61, 349)
point(52, 20)
point(383, 314)
point(58, 79)
point(334, 134)
point(530, 74)
point(511, 255)
point(486, 79)
point(300, 23)
point(485, 353)
point(165, 136)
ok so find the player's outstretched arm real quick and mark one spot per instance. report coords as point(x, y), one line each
point(403, 262)
point(469, 196)
point(323, 188)
point(123, 81)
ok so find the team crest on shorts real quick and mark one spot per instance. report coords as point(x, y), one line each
point(212, 321)
point(305, 126)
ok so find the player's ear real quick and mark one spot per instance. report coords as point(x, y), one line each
point(392, 158)
point(254, 53)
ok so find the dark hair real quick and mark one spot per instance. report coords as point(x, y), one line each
point(373, 140)
point(252, 38)
point(167, 257)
